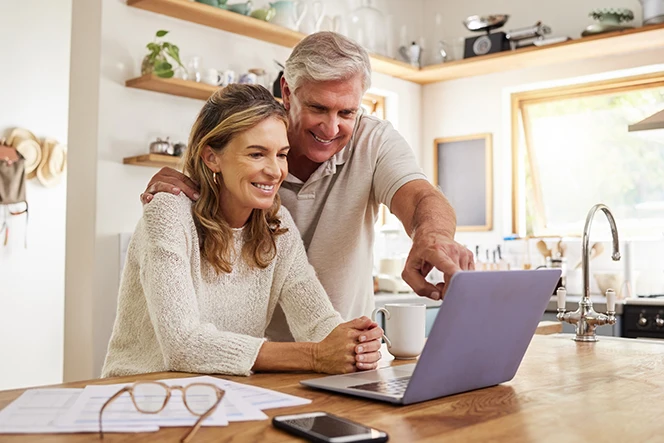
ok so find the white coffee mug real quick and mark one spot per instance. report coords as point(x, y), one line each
point(227, 77)
point(212, 77)
point(406, 324)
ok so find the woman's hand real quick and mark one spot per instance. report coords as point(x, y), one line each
point(351, 346)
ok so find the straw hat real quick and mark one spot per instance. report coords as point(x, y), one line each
point(53, 163)
point(27, 145)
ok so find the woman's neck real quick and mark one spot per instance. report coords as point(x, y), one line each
point(236, 218)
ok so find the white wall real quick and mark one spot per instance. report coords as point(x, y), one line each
point(34, 85)
point(122, 123)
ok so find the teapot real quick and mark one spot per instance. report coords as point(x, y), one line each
point(241, 8)
point(411, 54)
point(287, 13)
point(264, 14)
point(161, 147)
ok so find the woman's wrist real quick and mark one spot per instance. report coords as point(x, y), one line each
point(297, 356)
point(314, 351)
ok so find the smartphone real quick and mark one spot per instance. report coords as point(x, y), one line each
point(321, 427)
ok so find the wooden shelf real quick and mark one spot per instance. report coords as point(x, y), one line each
point(173, 86)
point(602, 45)
point(153, 160)
point(250, 27)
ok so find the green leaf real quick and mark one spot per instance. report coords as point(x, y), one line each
point(164, 74)
point(163, 66)
point(161, 33)
point(174, 52)
point(153, 47)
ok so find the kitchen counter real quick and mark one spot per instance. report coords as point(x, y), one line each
point(571, 302)
point(563, 391)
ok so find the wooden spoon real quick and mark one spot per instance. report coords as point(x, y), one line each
point(543, 249)
point(595, 250)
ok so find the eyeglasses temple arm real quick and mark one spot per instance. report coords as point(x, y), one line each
point(190, 434)
point(101, 411)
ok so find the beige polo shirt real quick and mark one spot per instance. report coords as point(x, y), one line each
point(337, 207)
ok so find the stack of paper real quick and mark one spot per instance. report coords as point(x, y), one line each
point(77, 410)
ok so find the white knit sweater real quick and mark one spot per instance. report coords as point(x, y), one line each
point(175, 313)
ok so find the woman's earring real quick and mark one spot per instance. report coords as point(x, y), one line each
point(214, 178)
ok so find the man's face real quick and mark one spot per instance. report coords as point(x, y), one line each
point(322, 116)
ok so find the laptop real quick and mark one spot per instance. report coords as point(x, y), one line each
point(478, 339)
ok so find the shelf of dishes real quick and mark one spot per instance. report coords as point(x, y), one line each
point(251, 27)
point(174, 86)
point(600, 45)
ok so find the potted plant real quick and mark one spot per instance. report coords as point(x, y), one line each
point(156, 60)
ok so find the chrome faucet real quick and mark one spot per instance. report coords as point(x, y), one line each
point(585, 318)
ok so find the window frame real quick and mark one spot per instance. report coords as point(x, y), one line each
point(520, 99)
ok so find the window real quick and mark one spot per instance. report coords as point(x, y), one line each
point(374, 105)
point(571, 150)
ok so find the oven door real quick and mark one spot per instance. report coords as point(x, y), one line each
point(643, 321)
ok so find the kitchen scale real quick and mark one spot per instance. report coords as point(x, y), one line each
point(489, 43)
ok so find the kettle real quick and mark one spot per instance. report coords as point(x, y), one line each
point(411, 54)
point(160, 146)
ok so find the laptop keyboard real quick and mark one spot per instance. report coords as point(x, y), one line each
point(394, 386)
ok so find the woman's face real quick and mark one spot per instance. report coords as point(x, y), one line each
point(251, 169)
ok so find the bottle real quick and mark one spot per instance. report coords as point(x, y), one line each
point(368, 28)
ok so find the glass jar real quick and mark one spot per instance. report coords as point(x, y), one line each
point(194, 69)
point(367, 26)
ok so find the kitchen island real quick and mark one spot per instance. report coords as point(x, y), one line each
point(612, 390)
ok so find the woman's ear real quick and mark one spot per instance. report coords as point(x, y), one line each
point(210, 158)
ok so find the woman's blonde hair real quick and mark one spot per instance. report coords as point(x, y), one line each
point(229, 112)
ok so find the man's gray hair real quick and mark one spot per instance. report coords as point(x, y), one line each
point(325, 56)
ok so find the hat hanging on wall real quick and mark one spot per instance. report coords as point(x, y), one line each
point(27, 144)
point(31, 151)
point(19, 134)
point(53, 163)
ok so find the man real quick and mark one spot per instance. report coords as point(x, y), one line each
point(342, 164)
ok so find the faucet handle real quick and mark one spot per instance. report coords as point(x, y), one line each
point(561, 293)
point(611, 300)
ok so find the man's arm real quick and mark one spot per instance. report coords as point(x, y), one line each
point(430, 220)
point(171, 181)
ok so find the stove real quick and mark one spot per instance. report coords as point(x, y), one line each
point(643, 317)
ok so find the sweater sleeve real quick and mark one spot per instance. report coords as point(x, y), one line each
point(309, 312)
point(187, 344)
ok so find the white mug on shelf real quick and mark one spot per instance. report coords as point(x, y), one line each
point(212, 77)
point(227, 77)
point(406, 324)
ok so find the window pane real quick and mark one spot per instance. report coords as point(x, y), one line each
point(582, 154)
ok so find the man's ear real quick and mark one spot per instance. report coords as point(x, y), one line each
point(285, 93)
point(210, 158)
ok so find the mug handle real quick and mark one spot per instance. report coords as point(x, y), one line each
point(386, 313)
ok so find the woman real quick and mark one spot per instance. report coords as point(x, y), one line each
point(202, 279)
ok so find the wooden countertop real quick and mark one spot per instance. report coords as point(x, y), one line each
point(612, 390)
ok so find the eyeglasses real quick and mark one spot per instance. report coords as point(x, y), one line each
point(150, 397)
